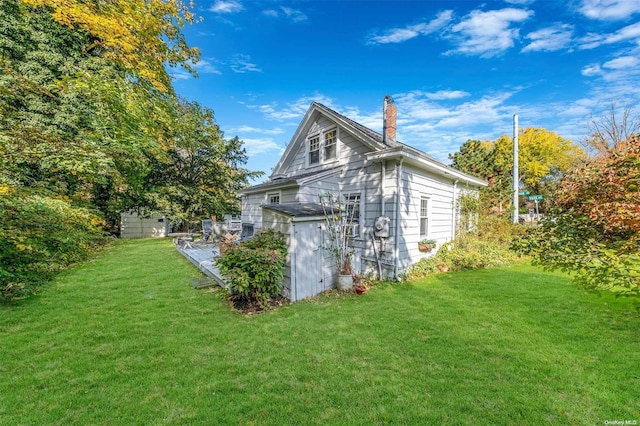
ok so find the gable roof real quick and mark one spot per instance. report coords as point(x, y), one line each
point(372, 139)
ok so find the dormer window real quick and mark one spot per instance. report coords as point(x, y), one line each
point(314, 150)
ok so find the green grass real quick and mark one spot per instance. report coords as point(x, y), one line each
point(126, 340)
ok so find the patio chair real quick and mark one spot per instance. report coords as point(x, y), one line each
point(207, 229)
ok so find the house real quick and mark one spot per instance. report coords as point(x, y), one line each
point(400, 196)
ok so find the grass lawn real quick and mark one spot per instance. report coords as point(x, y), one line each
point(126, 340)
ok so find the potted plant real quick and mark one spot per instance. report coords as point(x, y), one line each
point(339, 221)
point(345, 274)
point(426, 245)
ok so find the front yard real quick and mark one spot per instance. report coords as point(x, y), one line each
point(125, 339)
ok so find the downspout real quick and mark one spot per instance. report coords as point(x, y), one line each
point(383, 173)
point(396, 249)
point(453, 210)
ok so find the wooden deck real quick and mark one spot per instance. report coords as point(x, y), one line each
point(202, 255)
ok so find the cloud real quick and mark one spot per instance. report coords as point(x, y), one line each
point(593, 40)
point(398, 35)
point(242, 63)
point(609, 10)
point(261, 146)
point(489, 33)
point(249, 129)
point(622, 62)
point(294, 15)
point(520, 2)
point(223, 7)
point(447, 94)
point(591, 70)
point(549, 39)
point(205, 67)
point(294, 110)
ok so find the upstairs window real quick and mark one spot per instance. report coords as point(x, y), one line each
point(273, 198)
point(314, 150)
point(330, 144)
point(424, 217)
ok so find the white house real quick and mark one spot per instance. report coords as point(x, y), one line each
point(410, 195)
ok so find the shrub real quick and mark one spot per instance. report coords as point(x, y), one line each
point(39, 236)
point(254, 269)
point(468, 251)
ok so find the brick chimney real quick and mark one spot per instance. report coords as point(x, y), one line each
point(389, 114)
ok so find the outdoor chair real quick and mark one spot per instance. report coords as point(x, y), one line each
point(207, 229)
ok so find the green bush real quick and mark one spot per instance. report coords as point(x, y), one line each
point(571, 243)
point(468, 251)
point(39, 236)
point(254, 269)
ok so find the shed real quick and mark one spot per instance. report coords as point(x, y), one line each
point(133, 225)
point(309, 269)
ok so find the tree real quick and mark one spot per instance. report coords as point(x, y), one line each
point(141, 36)
point(610, 131)
point(200, 175)
point(543, 158)
point(594, 228)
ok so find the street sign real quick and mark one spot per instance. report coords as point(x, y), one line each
point(535, 197)
point(525, 193)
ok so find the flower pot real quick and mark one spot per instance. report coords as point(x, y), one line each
point(425, 248)
point(344, 282)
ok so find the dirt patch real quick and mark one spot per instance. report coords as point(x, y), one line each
point(249, 307)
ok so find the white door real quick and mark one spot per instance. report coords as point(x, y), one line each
point(309, 259)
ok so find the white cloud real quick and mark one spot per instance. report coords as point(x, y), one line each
point(177, 74)
point(550, 39)
point(609, 10)
point(229, 6)
point(293, 15)
point(447, 94)
point(242, 63)
point(591, 70)
point(205, 67)
point(487, 33)
point(294, 110)
point(593, 40)
point(261, 146)
point(249, 129)
point(398, 35)
point(623, 62)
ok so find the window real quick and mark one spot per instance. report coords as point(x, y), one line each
point(330, 144)
point(273, 198)
point(352, 214)
point(424, 217)
point(314, 150)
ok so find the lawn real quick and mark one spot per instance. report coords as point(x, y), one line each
point(126, 340)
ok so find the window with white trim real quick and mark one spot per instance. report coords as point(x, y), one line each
point(352, 213)
point(314, 150)
point(330, 145)
point(424, 217)
point(273, 198)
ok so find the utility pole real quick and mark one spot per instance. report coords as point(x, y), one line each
point(516, 179)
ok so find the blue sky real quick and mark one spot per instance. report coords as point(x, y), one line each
point(457, 70)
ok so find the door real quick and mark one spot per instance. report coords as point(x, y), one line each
point(309, 255)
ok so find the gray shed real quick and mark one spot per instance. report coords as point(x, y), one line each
point(310, 268)
point(133, 225)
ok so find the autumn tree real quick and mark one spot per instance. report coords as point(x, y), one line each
point(543, 157)
point(593, 229)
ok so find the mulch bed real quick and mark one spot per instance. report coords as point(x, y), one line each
point(251, 307)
